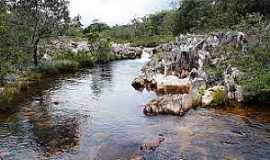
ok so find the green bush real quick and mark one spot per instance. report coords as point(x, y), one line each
point(214, 72)
point(255, 64)
point(219, 97)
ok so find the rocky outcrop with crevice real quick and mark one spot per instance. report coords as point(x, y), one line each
point(188, 63)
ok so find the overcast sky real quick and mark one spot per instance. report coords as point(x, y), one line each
point(115, 11)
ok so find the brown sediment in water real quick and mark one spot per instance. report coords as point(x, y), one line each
point(258, 113)
point(4, 115)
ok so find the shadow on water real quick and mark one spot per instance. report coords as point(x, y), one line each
point(96, 114)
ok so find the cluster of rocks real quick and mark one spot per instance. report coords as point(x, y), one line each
point(177, 71)
point(125, 51)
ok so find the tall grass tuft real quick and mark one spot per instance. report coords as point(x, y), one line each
point(59, 67)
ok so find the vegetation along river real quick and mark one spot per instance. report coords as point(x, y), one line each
point(96, 114)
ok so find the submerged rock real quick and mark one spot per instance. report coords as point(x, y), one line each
point(147, 148)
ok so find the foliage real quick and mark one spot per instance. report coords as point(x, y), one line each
point(210, 15)
point(39, 19)
point(153, 28)
point(75, 27)
point(255, 64)
point(99, 45)
point(96, 27)
point(214, 72)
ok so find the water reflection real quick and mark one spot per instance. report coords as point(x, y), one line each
point(101, 77)
point(52, 134)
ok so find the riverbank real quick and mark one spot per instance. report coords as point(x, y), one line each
point(58, 62)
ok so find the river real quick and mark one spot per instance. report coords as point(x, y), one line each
point(96, 114)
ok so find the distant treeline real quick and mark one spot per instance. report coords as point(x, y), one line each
point(188, 16)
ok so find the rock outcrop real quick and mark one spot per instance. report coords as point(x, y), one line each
point(123, 51)
point(188, 63)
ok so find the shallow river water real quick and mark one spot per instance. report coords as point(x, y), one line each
point(97, 115)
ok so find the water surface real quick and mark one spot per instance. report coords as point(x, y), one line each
point(96, 114)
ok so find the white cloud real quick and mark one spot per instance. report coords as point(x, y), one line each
point(115, 11)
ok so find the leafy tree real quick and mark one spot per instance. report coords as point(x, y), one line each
point(75, 27)
point(96, 27)
point(42, 19)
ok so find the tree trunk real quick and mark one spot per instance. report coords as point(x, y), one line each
point(35, 54)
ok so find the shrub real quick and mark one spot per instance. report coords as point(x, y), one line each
point(256, 66)
point(214, 72)
point(219, 97)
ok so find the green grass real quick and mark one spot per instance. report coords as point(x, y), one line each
point(197, 98)
point(58, 67)
point(12, 90)
point(86, 59)
point(219, 97)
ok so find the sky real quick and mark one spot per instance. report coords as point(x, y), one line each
point(115, 11)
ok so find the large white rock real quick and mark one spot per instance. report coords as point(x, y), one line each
point(169, 104)
point(172, 83)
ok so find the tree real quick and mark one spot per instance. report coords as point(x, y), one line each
point(43, 19)
point(75, 27)
point(96, 26)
